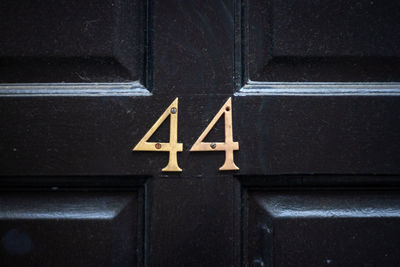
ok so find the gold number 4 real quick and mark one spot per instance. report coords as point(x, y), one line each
point(228, 146)
point(173, 147)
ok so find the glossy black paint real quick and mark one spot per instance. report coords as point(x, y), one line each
point(72, 41)
point(317, 41)
point(64, 227)
point(295, 150)
point(321, 227)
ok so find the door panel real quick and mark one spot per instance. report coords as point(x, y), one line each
point(71, 228)
point(318, 41)
point(322, 227)
point(72, 41)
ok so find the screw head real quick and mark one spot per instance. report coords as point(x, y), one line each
point(173, 110)
point(213, 145)
point(158, 145)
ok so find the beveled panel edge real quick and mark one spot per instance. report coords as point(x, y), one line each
point(319, 89)
point(52, 210)
point(73, 89)
point(290, 207)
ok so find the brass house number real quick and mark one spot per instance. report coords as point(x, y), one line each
point(173, 147)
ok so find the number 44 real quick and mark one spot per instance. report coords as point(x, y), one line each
point(173, 147)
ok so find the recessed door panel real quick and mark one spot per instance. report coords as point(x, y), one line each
point(322, 41)
point(72, 41)
point(70, 229)
point(322, 227)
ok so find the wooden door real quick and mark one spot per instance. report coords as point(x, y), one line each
point(315, 110)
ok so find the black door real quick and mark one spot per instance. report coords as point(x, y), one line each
point(312, 88)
